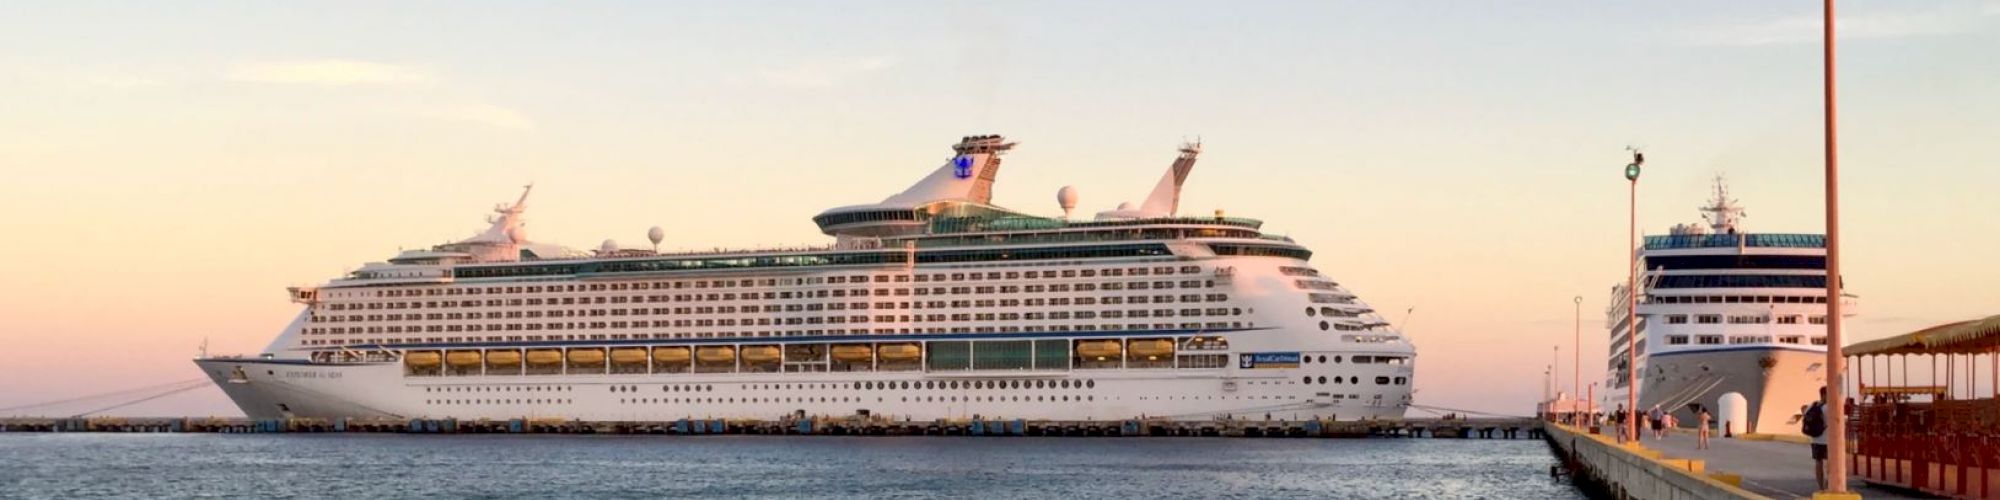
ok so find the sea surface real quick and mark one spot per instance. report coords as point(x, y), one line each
point(547, 466)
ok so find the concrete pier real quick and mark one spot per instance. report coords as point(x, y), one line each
point(1671, 468)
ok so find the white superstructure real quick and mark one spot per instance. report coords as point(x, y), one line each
point(1724, 311)
point(933, 303)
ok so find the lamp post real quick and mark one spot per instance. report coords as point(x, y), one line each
point(1555, 371)
point(1632, 294)
point(1576, 349)
point(1836, 407)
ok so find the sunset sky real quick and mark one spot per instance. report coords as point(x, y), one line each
point(168, 169)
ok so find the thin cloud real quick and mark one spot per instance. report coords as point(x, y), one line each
point(1874, 25)
point(491, 115)
point(329, 72)
point(821, 74)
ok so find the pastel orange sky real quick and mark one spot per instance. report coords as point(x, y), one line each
point(168, 171)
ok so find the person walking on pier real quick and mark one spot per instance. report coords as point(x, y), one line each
point(1813, 424)
point(1618, 419)
point(1701, 418)
point(1653, 418)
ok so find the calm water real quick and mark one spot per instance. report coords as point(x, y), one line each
point(498, 466)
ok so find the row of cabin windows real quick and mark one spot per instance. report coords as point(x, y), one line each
point(777, 308)
point(772, 282)
point(1745, 339)
point(777, 295)
point(1746, 319)
point(813, 320)
point(1213, 325)
point(1733, 299)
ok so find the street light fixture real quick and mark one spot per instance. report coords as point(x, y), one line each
point(1632, 292)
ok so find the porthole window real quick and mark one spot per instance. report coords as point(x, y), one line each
point(1091, 383)
point(1306, 359)
point(1322, 380)
point(1323, 326)
point(1322, 358)
point(1353, 380)
point(1307, 380)
point(1336, 359)
point(1310, 312)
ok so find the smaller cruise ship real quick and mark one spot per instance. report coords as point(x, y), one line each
point(1723, 311)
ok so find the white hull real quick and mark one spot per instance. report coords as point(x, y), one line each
point(278, 389)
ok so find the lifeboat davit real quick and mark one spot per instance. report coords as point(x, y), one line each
point(1098, 350)
point(853, 353)
point(629, 356)
point(761, 354)
point(586, 356)
point(545, 357)
point(899, 352)
point(672, 355)
point(1150, 349)
point(503, 358)
point(422, 358)
point(463, 358)
point(716, 355)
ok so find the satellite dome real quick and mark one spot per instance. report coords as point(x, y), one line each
point(609, 246)
point(656, 234)
point(1067, 198)
point(1125, 206)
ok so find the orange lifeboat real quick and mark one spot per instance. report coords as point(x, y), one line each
point(761, 354)
point(423, 359)
point(1098, 350)
point(629, 356)
point(461, 359)
point(672, 355)
point(1150, 349)
point(586, 356)
point(899, 352)
point(853, 353)
point(716, 355)
point(503, 358)
point(545, 357)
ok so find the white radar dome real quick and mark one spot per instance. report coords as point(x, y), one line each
point(1067, 198)
point(656, 234)
point(609, 246)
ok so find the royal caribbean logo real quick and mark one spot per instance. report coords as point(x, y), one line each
point(1255, 360)
point(962, 167)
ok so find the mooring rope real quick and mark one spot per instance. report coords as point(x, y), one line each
point(144, 390)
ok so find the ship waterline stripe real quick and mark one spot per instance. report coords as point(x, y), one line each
point(838, 339)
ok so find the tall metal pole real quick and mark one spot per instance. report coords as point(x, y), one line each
point(1632, 298)
point(1836, 414)
point(1576, 350)
point(1555, 370)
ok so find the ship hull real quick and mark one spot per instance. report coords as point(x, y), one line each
point(1777, 383)
point(283, 389)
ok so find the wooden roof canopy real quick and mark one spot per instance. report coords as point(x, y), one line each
point(1973, 336)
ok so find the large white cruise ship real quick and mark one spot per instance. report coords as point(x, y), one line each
point(931, 304)
point(1723, 311)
